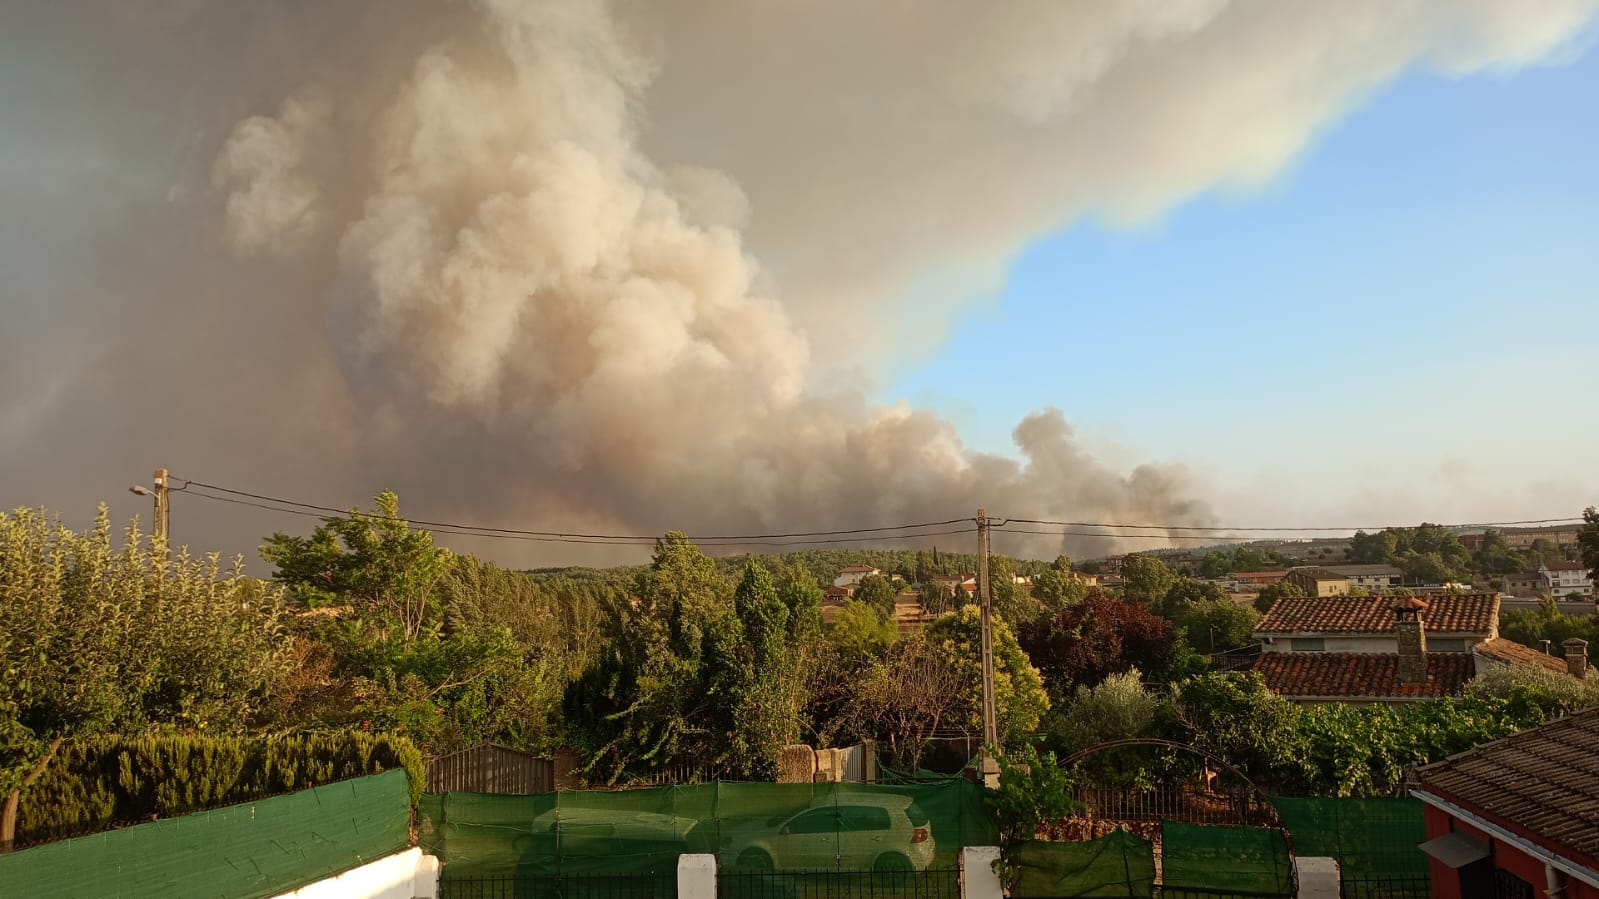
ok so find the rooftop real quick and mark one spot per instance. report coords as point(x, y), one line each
point(1544, 781)
point(1365, 571)
point(1319, 573)
point(1565, 565)
point(1512, 653)
point(1352, 675)
point(1448, 613)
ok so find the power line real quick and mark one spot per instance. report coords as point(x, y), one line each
point(1215, 528)
point(287, 507)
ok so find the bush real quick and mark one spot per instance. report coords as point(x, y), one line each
point(1117, 709)
point(108, 781)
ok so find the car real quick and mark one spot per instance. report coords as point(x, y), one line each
point(880, 833)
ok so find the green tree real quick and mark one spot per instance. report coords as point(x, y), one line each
point(937, 598)
point(1012, 601)
point(877, 592)
point(371, 561)
point(1270, 593)
point(1217, 564)
point(1019, 697)
point(1588, 542)
point(1185, 592)
point(95, 638)
point(1118, 708)
point(1145, 579)
point(861, 630)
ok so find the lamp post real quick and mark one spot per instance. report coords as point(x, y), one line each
point(163, 505)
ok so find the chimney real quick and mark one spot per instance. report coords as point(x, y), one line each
point(1410, 632)
point(1576, 657)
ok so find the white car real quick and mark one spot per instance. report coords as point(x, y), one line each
point(878, 833)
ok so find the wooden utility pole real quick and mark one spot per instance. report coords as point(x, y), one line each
point(163, 505)
point(985, 599)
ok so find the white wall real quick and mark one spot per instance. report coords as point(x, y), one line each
point(403, 875)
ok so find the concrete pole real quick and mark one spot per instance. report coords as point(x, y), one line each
point(985, 598)
point(163, 506)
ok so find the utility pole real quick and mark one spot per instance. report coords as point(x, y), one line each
point(163, 505)
point(985, 598)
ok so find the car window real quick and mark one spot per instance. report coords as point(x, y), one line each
point(863, 817)
point(821, 820)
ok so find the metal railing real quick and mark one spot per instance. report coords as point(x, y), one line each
point(932, 883)
point(560, 886)
point(1396, 887)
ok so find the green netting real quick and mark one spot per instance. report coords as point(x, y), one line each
point(747, 825)
point(1231, 860)
point(1119, 865)
point(255, 849)
point(1371, 838)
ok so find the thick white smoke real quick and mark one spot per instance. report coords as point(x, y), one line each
point(607, 265)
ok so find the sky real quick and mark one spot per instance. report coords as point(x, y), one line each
point(618, 268)
point(1398, 325)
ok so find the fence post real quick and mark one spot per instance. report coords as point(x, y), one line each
point(979, 880)
point(696, 876)
point(1318, 878)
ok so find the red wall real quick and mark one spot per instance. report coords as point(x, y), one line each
point(1446, 883)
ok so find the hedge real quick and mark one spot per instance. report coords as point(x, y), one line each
point(110, 781)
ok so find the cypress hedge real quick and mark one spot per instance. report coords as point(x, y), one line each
point(104, 782)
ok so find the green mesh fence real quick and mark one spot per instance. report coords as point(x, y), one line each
point(254, 849)
point(749, 826)
point(1119, 865)
point(1248, 861)
point(1371, 838)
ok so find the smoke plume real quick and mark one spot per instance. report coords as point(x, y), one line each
point(615, 267)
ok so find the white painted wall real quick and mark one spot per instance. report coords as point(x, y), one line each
point(1318, 878)
point(404, 875)
point(696, 876)
point(978, 880)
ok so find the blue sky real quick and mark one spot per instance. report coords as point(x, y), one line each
point(1422, 285)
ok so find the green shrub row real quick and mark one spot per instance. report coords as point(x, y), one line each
point(109, 781)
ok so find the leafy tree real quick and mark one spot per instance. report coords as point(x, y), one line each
point(1118, 708)
point(1234, 716)
point(371, 561)
point(876, 591)
point(861, 630)
point(1588, 542)
point(1186, 592)
point(1217, 564)
point(1019, 697)
point(1531, 627)
point(1218, 625)
point(1101, 636)
point(1270, 593)
point(802, 596)
point(95, 638)
point(904, 700)
point(1145, 579)
point(1012, 601)
point(1033, 793)
point(1057, 587)
point(1428, 568)
point(1527, 689)
point(937, 598)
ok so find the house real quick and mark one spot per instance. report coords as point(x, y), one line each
point(1515, 817)
point(837, 596)
point(1369, 577)
point(1370, 649)
point(1500, 651)
point(854, 574)
point(1257, 579)
point(1524, 583)
point(958, 583)
point(1566, 579)
point(1318, 581)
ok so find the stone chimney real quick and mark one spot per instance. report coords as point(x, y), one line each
point(1410, 632)
point(1576, 657)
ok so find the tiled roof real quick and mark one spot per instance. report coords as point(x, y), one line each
point(1365, 570)
point(1565, 566)
point(1262, 575)
point(1449, 613)
point(1512, 653)
point(1320, 574)
point(1544, 780)
point(1347, 675)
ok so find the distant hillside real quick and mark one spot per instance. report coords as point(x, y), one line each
point(823, 564)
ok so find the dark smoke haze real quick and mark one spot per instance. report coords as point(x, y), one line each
point(608, 267)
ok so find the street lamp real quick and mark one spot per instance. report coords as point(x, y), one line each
point(163, 507)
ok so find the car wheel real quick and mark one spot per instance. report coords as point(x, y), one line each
point(754, 860)
point(894, 867)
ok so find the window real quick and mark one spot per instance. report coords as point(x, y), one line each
point(822, 820)
point(1447, 644)
point(1509, 886)
point(862, 817)
point(1307, 644)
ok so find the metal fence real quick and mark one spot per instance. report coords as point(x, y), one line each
point(932, 883)
point(560, 886)
point(1358, 887)
point(488, 768)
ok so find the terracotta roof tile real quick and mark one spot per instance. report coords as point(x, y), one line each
point(1545, 780)
point(1447, 613)
point(1513, 653)
point(1353, 674)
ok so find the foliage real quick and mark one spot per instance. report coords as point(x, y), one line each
point(95, 638)
point(1270, 593)
point(1019, 697)
point(861, 629)
point(1218, 625)
point(1033, 791)
point(1525, 689)
point(907, 698)
point(1012, 601)
point(878, 592)
point(1057, 588)
point(1588, 542)
point(371, 561)
point(1530, 627)
point(1100, 636)
point(937, 598)
point(1118, 708)
point(1145, 579)
point(110, 780)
